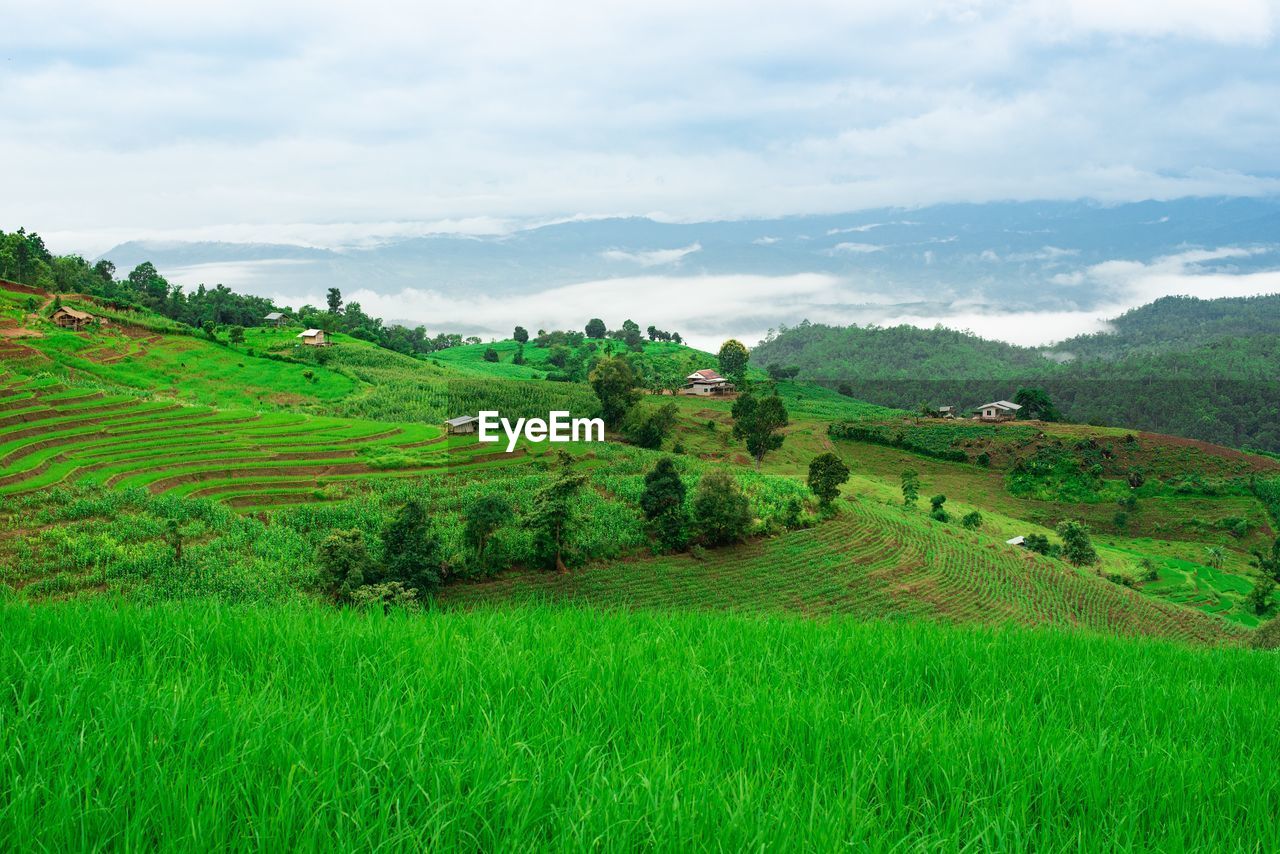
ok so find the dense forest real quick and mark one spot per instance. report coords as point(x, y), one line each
point(1204, 369)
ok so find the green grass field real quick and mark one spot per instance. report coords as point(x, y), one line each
point(177, 727)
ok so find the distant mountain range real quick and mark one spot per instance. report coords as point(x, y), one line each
point(1023, 255)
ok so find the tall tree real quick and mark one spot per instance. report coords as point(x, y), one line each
point(411, 552)
point(334, 298)
point(521, 335)
point(721, 512)
point(596, 328)
point(552, 516)
point(1036, 404)
point(733, 358)
point(758, 420)
point(663, 504)
point(615, 385)
point(826, 473)
point(910, 487)
point(484, 516)
point(1077, 547)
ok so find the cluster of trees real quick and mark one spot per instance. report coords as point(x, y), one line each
point(25, 259)
point(407, 562)
point(1204, 369)
point(629, 333)
point(719, 512)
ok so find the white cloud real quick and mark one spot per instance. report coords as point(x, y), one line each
point(651, 258)
point(856, 248)
point(143, 118)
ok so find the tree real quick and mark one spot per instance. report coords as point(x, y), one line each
point(1260, 596)
point(490, 354)
point(721, 512)
point(972, 520)
point(733, 358)
point(521, 335)
point(483, 517)
point(647, 427)
point(1268, 564)
point(596, 328)
point(826, 473)
point(1035, 404)
point(236, 334)
point(757, 420)
point(1077, 547)
point(173, 535)
point(910, 487)
point(1214, 557)
point(334, 298)
point(344, 563)
point(1038, 543)
point(936, 510)
point(551, 517)
point(411, 552)
point(778, 372)
point(663, 504)
point(210, 330)
point(615, 385)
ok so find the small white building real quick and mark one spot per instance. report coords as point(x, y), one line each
point(275, 318)
point(1017, 541)
point(706, 382)
point(313, 338)
point(1000, 410)
point(461, 424)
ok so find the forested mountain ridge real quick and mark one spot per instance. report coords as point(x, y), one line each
point(1203, 369)
point(1177, 323)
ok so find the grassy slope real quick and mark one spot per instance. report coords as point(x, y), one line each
point(363, 381)
point(562, 729)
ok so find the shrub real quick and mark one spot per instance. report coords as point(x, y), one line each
point(972, 520)
point(721, 512)
point(826, 473)
point(1259, 597)
point(344, 563)
point(1077, 547)
point(490, 355)
point(411, 551)
point(663, 504)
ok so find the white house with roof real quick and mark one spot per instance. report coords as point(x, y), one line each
point(1000, 410)
point(462, 424)
point(313, 337)
point(706, 382)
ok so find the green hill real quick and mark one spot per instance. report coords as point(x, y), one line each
point(1204, 369)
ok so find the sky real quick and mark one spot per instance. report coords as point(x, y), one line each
point(328, 124)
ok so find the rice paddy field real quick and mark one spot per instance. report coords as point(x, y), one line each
point(51, 435)
point(183, 726)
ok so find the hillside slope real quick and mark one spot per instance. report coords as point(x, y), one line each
point(1203, 369)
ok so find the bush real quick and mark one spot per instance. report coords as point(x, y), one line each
point(663, 505)
point(1077, 547)
point(344, 563)
point(972, 520)
point(826, 473)
point(720, 509)
point(411, 550)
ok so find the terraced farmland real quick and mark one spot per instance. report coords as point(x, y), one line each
point(51, 435)
point(872, 562)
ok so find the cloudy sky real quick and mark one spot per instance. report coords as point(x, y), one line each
point(324, 123)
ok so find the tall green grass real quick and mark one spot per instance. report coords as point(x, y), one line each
point(199, 726)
